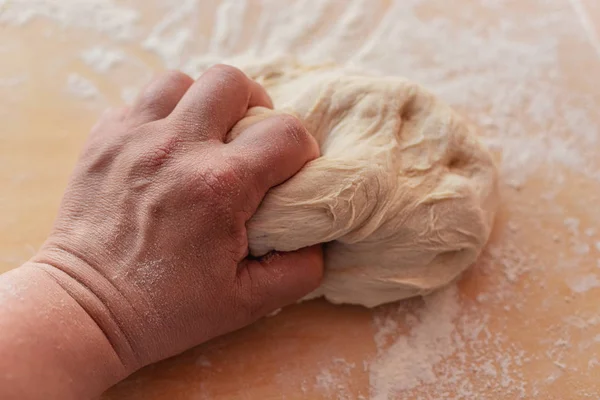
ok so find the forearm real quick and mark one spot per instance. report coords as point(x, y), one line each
point(49, 346)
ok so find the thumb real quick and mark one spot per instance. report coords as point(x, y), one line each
point(279, 279)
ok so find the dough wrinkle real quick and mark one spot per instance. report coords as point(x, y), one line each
point(403, 195)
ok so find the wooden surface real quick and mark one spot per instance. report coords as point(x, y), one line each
point(522, 323)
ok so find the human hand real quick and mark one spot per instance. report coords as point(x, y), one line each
point(150, 238)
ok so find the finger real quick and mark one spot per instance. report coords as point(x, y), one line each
point(272, 150)
point(158, 99)
point(108, 122)
point(217, 100)
point(279, 279)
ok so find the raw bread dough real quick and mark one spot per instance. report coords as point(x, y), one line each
point(404, 195)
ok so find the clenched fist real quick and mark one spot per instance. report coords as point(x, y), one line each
point(150, 241)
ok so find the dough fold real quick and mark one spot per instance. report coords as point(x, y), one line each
point(403, 195)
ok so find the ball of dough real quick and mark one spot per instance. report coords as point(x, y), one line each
point(403, 195)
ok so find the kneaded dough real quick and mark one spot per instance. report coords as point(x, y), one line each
point(403, 194)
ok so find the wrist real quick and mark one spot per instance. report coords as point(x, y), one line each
point(115, 298)
point(104, 298)
point(50, 345)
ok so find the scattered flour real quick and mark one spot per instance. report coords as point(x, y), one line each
point(169, 37)
point(81, 87)
point(573, 225)
point(581, 284)
point(444, 345)
point(102, 59)
point(333, 380)
point(431, 339)
point(104, 16)
point(230, 14)
point(11, 81)
point(449, 349)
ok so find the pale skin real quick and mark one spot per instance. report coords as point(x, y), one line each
point(149, 255)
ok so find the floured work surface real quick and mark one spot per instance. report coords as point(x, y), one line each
point(523, 323)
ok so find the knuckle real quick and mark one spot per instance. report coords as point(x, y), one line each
point(228, 175)
point(221, 180)
point(175, 77)
point(162, 90)
point(229, 73)
point(227, 185)
point(290, 121)
point(184, 121)
point(169, 85)
point(248, 189)
point(188, 122)
point(294, 129)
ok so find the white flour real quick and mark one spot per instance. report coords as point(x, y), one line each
point(500, 72)
point(102, 59)
point(81, 87)
point(580, 284)
point(334, 380)
point(12, 81)
point(104, 16)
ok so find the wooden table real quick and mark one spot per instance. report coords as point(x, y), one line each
point(522, 323)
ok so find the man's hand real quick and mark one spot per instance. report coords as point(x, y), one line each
point(150, 238)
